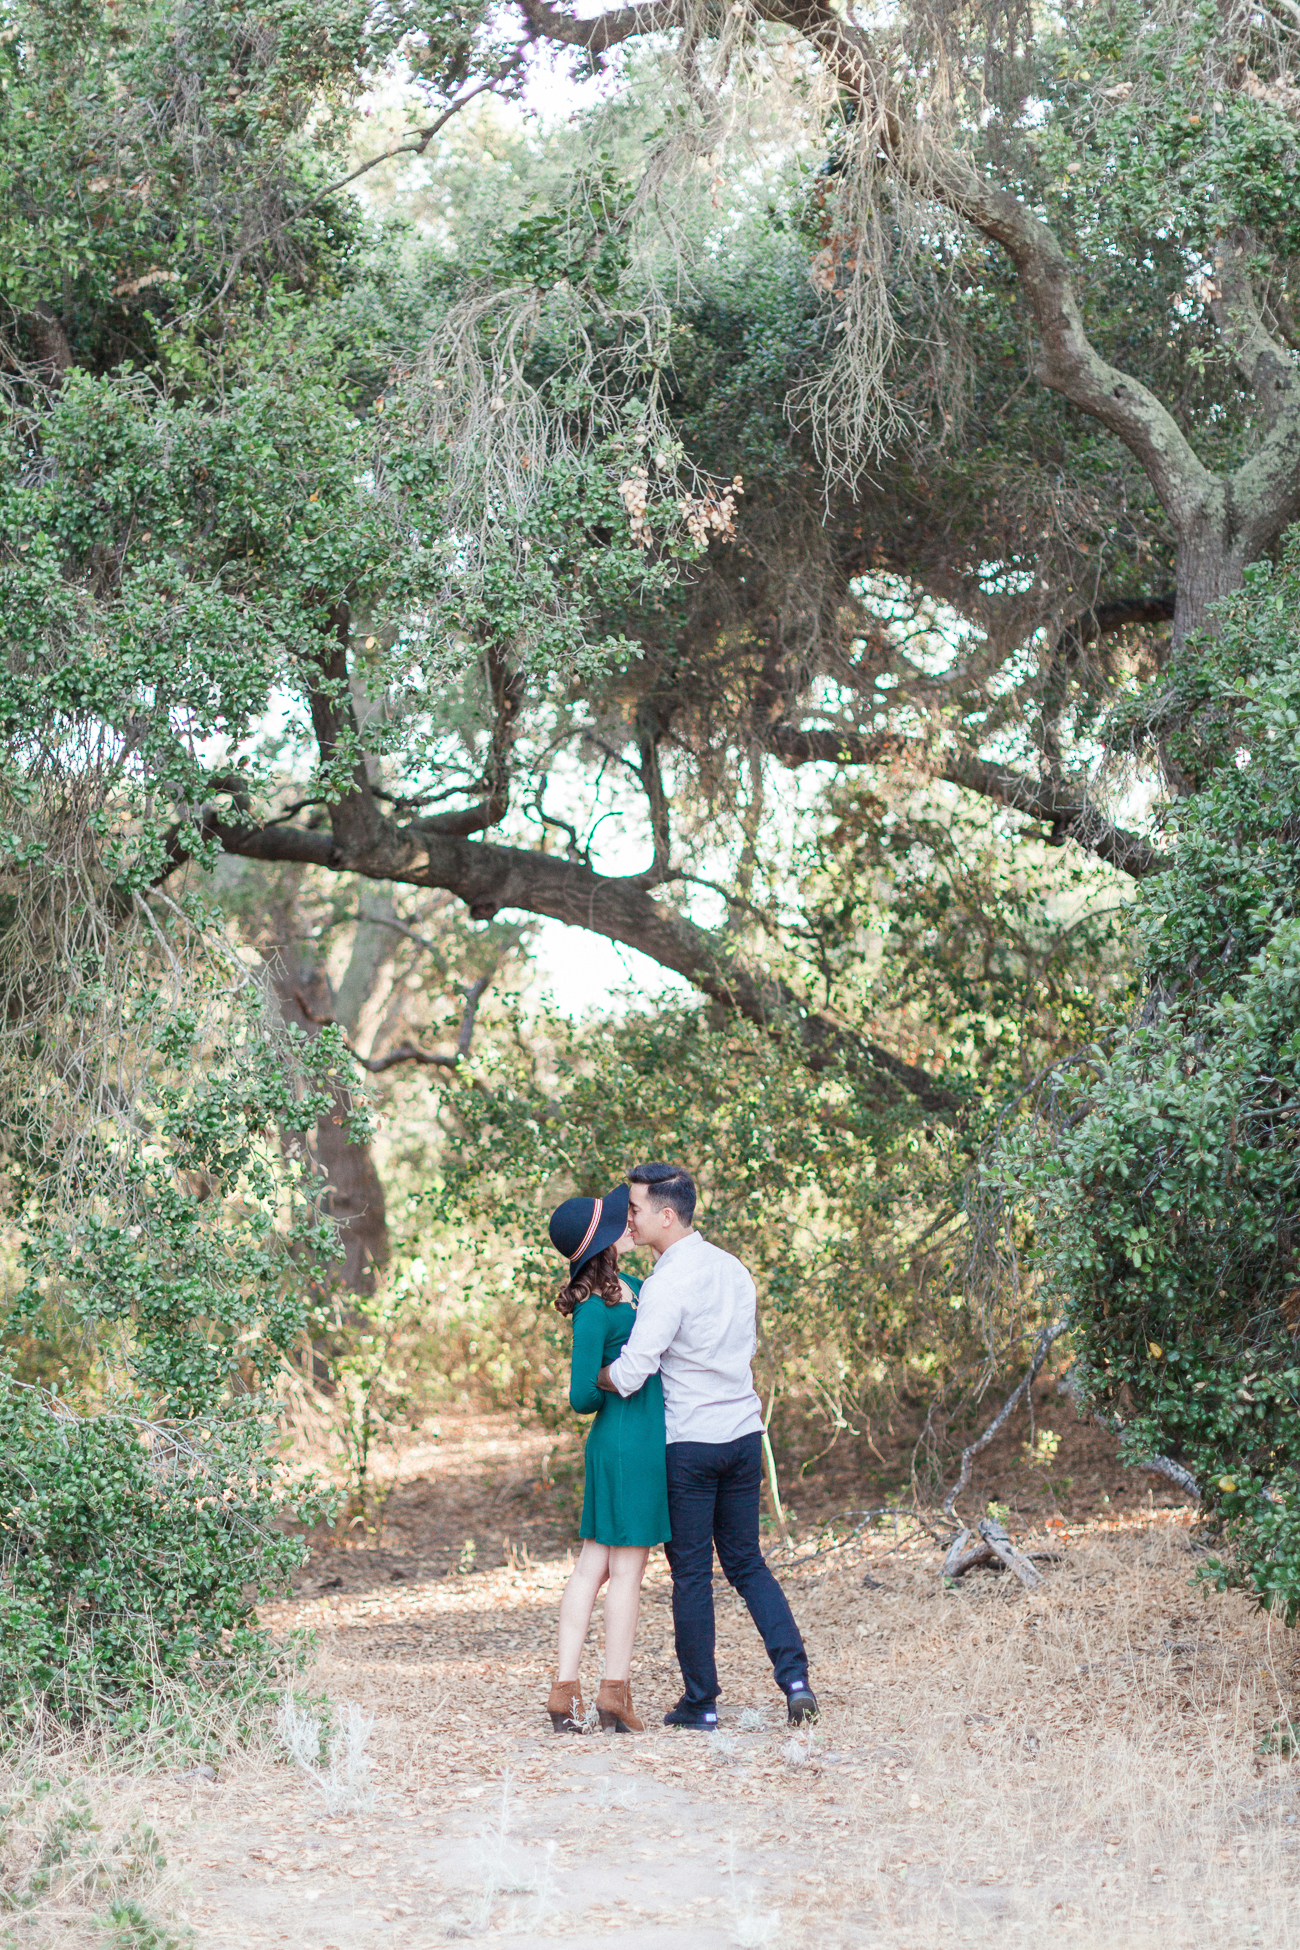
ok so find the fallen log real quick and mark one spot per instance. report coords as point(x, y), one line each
point(960, 1559)
point(994, 1547)
point(995, 1536)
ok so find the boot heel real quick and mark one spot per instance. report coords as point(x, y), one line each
point(565, 1707)
point(614, 1708)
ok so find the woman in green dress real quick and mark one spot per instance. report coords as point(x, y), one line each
point(625, 1502)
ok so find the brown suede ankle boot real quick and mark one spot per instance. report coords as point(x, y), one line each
point(614, 1705)
point(565, 1706)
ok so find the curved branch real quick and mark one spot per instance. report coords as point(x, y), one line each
point(410, 1052)
point(603, 31)
point(415, 141)
point(505, 683)
point(1100, 619)
point(1068, 362)
point(1104, 619)
point(1042, 1348)
point(1267, 367)
point(1173, 1472)
point(1069, 812)
point(489, 877)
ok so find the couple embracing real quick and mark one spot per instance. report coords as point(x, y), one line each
point(674, 1454)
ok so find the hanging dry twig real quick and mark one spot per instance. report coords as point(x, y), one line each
point(411, 1052)
point(1042, 1348)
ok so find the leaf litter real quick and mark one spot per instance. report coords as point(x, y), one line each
point(1105, 1760)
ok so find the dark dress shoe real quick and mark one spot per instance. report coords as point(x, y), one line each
point(801, 1705)
point(703, 1718)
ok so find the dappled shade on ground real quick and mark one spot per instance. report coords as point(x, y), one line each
point(990, 1766)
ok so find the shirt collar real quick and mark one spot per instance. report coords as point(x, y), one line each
point(664, 1257)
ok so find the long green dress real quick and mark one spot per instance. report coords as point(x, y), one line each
point(626, 1496)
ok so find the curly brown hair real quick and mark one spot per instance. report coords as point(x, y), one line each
point(598, 1275)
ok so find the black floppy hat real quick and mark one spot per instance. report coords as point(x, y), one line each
point(583, 1227)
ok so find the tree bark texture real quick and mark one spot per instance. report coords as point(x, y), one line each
point(355, 1198)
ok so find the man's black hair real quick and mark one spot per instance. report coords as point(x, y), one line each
point(667, 1185)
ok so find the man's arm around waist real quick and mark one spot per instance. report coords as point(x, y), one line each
point(658, 1318)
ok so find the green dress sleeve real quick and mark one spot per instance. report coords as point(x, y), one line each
point(588, 1354)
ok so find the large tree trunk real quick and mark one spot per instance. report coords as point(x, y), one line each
point(355, 1199)
point(355, 1196)
point(372, 950)
point(1212, 556)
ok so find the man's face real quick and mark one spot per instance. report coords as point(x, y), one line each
point(655, 1226)
point(641, 1215)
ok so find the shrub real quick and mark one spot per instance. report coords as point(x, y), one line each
point(845, 1211)
point(1166, 1197)
point(153, 1112)
point(134, 1554)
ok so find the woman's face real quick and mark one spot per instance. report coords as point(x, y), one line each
point(626, 1244)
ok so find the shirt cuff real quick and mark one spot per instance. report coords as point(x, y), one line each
point(618, 1379)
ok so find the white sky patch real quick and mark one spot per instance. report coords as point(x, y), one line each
point(585, 974)
point(556, 89)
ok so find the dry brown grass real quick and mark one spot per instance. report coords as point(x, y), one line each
point(1085, 1759)
point(1082, 1764)
point(81, 1859)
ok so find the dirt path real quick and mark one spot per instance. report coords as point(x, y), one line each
point(1083, 1763)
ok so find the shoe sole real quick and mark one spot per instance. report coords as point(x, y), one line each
point(800, 1716)
point(564, 1723)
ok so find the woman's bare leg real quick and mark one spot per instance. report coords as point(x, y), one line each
point(589, 1573)
point(622, 1607)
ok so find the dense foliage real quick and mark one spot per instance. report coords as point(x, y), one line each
point(330, 545)
point(224, 500)
point(153, 1124)
point(1167, 1192)
point(850, 1216)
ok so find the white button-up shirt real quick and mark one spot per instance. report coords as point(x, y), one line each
point(696, 1324)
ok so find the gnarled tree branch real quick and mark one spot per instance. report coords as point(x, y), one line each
point(1221, 522)
point(489, 877)
point(1267, 367)
point(411, 1052)
point(505, 683)
point(1043, 1346)
point(602, 31)
point(1068, 811)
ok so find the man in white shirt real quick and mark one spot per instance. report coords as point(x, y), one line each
point(696, 1326)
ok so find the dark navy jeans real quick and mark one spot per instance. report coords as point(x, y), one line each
point(713, 1490)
